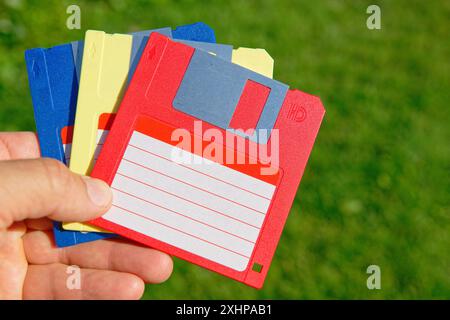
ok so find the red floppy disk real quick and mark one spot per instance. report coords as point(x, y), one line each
point(188, 159)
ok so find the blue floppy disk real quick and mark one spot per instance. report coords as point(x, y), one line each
point(198, 31)
point(53, 75)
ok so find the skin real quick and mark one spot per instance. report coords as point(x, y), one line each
point(34, 191)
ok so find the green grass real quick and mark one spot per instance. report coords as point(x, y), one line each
point(376, 188)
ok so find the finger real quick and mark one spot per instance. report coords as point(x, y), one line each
point(39, 224)
point(150, 265)
point(58, 281)
point(13, 263)
point(32, 189)
point(18, 145)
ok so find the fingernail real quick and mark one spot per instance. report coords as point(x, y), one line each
point(98, 191)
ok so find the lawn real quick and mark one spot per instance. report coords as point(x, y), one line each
point(376, 188)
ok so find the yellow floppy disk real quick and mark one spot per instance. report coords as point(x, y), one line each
point(104, 73)
point(257, 60)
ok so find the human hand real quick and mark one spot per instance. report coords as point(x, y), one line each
point(35, 191)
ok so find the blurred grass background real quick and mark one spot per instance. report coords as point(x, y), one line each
point(376, 189)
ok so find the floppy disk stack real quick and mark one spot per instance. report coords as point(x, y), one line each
point(203, 150)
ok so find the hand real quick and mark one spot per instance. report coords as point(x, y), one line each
point(33, 191)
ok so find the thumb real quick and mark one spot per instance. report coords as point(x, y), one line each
point(31, 189)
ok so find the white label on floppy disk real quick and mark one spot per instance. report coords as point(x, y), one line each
point(205, 208)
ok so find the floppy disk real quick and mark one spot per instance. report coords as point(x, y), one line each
point(106, 68)
point(187, 159)
point(53, 75)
